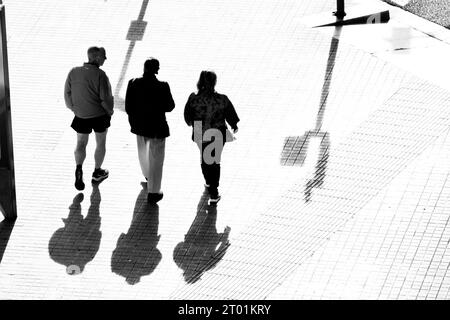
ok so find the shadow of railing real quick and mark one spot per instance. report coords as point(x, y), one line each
point(203, 247)
point(136, 254)
point(77, 243)
point(135, 33)
point(295, 148)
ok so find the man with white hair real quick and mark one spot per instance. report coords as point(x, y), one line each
point(88, 94)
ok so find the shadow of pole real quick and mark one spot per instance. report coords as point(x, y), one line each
point(135, 33)
point(6, 227)
point(320, 170)
point(295, 148)
point(328, 75)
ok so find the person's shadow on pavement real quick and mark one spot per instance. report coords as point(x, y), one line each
point(77, 243)
point(136, 254)
point(202, 247)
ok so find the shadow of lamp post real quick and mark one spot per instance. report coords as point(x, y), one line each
point(295, 148)
point(135, 33)
point(357, 16)
point(340, 9)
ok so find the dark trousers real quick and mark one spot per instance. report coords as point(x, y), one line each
point(211, 171)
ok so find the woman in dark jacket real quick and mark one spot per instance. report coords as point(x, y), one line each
point(146, 103)
point(208, 112)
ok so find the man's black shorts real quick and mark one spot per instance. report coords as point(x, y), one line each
point(99, 124)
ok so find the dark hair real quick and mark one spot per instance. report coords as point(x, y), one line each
point(94, 52)
point(151, 66)
point(207, 82)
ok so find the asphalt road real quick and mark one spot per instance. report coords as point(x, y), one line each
point(437, 11)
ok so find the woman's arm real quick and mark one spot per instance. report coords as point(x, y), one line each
point(231, 116)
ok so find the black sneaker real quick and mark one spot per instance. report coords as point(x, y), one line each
point(214, 196)
point(79, 184)
point(154, 197)
point(99, 175)
point(214, 199)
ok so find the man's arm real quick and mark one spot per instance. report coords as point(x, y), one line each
point(106, 97)
point(129, 98)
point(68, 93)
point(170, 104)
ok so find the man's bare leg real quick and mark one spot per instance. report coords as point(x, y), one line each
point(80, 156)
point(99, 155)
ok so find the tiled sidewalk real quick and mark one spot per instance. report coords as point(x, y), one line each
point(370, 192)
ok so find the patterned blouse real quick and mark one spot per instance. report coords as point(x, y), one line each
point(212, 110)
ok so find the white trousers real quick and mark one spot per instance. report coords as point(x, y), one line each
point(151, 152)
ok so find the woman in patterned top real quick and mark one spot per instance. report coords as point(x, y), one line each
point(208, 112)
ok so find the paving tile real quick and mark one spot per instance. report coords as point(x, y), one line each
point(363, 215)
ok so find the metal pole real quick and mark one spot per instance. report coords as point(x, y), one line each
point(340, 11)
point(8, 205)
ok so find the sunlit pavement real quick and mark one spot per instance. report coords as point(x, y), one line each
point(335, 188)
